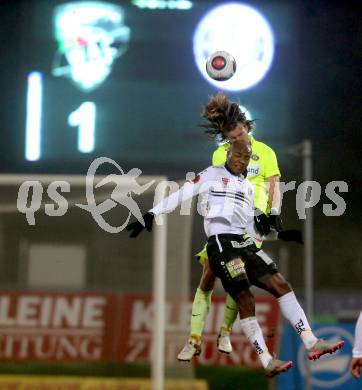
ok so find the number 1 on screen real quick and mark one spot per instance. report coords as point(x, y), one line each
point(84, 117)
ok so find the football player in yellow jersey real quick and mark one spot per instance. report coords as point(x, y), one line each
point(264, 174)
point(226, 121)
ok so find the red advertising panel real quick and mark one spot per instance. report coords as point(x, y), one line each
point(137, 327)
point(56, 327)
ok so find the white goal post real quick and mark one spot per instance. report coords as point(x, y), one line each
point(9, 205)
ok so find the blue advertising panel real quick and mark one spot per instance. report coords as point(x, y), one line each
point(328, 372)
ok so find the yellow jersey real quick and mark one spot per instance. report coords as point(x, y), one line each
point(263, 164)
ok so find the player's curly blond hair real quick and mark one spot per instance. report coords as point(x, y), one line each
point(222, 116)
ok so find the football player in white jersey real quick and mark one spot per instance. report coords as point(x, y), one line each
point(233, 255)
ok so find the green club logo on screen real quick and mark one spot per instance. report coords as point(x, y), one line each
point(90, 35)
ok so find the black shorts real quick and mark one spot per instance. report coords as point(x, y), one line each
point(238, 262)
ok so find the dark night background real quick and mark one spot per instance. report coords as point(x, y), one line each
point(313, 91)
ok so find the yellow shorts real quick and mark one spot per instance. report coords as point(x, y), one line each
point(202, 255)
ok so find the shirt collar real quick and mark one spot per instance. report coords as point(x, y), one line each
point(244, 174)
point(251, 140)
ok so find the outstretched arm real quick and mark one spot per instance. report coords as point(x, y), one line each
point(168, 204)
point(186, 192)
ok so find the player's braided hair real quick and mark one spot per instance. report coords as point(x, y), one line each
point(222, 116)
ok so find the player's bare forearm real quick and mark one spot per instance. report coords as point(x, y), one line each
point(274, 193)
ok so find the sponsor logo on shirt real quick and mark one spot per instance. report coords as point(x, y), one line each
point(255, 157)
point(253, 170)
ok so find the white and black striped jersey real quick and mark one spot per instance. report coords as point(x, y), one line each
point(227, 200)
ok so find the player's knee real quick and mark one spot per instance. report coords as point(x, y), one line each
point(278, 286)
point(284, 288)
point(207, 280)
point(246, 303)
point(207, 283)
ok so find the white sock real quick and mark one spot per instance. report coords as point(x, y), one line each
point(294, 313)
point(254, 334)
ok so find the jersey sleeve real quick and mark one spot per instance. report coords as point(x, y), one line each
point(271, 164)
point(219, 156)
point(187, 191)
point(357, 348)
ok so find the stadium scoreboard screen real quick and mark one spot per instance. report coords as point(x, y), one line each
point(127, 79)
